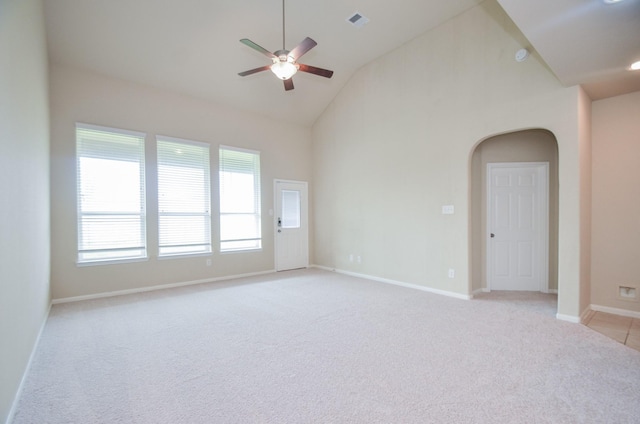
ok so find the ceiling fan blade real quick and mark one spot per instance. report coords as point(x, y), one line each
point(254, 71)
point(288, 84)
point(316, 71)
point(258, 48)
point(306, 45)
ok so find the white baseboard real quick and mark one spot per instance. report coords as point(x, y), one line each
point(398, 283)
point(585, 314)
point(576, 320)
point(478, 291)
point(486, 290)
point(569, 318)
point(16, 399)
point(615, 311)
point(325, 268)
point(158, 287)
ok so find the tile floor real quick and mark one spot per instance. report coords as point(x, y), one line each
point(622, 329)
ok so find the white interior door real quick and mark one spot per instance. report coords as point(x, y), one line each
point(292, 228)
point(517, 226)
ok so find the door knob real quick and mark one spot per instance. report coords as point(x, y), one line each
point(492, 235)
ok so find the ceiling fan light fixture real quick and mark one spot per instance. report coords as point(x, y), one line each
point(284, 62)
point(284, 68)
point(635, 66)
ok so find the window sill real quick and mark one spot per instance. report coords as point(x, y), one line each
point(111, 262)
point(184, 256)
point(230, 252)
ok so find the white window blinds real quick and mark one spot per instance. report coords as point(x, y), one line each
point(184, 204)
point(110, 194)
point(240, 226)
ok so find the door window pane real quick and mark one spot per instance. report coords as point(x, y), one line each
point(290, 209)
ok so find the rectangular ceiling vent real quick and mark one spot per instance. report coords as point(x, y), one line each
point(357, 20)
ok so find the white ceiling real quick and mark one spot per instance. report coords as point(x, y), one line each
point(192, 46)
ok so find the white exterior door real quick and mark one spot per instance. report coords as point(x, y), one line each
point(517, 226)
point(291, 225)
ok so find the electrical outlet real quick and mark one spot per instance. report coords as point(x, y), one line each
point(447, 210)
point(359, 259)
point(452, 273)
point(208, 262)
point(351, 257)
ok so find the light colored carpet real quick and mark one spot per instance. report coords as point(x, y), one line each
point(317, 347)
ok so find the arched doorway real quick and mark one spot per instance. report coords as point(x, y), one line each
point(535, 145)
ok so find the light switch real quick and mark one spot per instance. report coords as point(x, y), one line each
point(447, 210)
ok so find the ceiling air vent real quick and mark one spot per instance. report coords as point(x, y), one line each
point(357, 20)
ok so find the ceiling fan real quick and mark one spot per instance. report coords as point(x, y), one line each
point(284, 62)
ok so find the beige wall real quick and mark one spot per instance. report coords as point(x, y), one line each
point(521, 146)
point(584, 140)
point(24, 188)
point(78, 96)
point(616, 200)
point(396, 144)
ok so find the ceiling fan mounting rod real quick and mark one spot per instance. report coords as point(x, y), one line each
point(283, 48)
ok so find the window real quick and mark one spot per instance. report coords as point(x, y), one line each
point(184, 205)
point(239, 199)
point(111, 194)
point(290, 209)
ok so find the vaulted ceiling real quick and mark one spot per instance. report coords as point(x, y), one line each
point(588, 42)
point(192, 46)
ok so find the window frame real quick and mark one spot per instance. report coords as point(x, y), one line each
point(257, 202)
point(206, 192)
point(83, 254)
